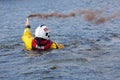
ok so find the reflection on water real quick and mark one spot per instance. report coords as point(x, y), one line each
point(91, 51)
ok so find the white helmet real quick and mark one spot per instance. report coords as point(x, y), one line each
point(42, 32)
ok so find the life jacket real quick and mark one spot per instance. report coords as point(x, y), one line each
point(41, 44)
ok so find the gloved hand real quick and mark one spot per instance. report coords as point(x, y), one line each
point(27, 24)
point(56, 46)
point(60, 46)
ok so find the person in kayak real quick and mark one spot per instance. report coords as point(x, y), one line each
point(41, 41)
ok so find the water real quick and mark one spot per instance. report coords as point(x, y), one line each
point(91, 51)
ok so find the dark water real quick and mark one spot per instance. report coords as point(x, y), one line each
point(92, 52)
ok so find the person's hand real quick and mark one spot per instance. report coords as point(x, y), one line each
point(27, 22)
point(60, 46)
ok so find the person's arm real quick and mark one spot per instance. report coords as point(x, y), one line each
point(27, 36)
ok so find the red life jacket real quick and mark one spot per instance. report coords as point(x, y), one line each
point(41, 44)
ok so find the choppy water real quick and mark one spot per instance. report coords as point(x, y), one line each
point(92, 52)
